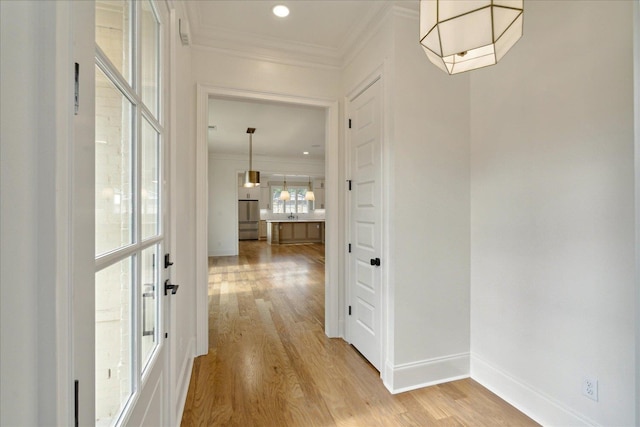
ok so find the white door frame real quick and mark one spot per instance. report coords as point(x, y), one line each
point(81, 193)
point(333, 285)
point(636, 61)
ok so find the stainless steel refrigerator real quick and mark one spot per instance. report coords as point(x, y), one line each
point(248, 218)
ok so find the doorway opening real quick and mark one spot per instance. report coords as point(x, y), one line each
point(332, 215)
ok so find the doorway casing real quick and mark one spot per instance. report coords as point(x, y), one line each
point(334, 222)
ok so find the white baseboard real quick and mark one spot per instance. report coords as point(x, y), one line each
point(341, 330)
point(222, 252)
point(184, 378)
point(535, 404)
point(411, 376)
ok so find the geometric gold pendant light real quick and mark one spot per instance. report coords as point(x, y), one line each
point(251, 177)
point(462, 35)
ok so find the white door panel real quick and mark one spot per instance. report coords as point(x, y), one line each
point(150, 408)
point(364, 324)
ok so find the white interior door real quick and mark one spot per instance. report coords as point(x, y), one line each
point(365, 197)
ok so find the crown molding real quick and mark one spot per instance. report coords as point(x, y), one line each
point(402, 11)
point(361, 28)
point(270, 49)
point(268, 55)
point(395, 9)
point(366, 36)
point(245, 40)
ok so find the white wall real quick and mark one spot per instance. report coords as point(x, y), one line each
point(426, 153)
point(19, 223)
point(430, 211)
point(552, 215)
point(30, 263)
point(636, 38)
point(215, 68)
point(223, 194)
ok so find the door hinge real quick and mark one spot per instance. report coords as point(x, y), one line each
point(349, 310)
point(76, 410)
point(349, 181)
point(349, 247)
point(76, 89)
point(167, 261)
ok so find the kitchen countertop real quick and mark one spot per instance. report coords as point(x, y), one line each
point(295, 220)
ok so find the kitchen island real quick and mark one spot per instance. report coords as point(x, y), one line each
point(295, 231)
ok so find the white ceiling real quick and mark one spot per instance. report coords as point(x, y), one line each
point(316, 30)
point(282, 130)
point(324, 32)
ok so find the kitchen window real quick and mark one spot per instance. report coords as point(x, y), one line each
point(296, 204)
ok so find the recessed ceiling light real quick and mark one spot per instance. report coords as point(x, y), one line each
point(306, 153)
point(281, 11)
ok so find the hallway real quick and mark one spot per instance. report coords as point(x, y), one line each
point(270, 363)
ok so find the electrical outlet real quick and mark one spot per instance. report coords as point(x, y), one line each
point(590, 388)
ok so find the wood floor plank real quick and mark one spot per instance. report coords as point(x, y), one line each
point(270, 363)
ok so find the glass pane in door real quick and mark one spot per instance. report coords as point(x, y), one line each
point(113, 33)
point(114, 216)
point(150, 42)
point(113, 340)
point(149, 292)
point(149, 200)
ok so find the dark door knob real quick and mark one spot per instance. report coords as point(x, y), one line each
point(170, 287)
point(375, 261)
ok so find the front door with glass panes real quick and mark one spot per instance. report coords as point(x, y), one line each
point(130, 215)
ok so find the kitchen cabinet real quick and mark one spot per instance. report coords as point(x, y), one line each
point(299, 231)
point(286, 231)
point(313, 231)
point(282, 232)
point(320, 201)
point(318, 192)
point(248, 193)
point(265, 197)
point(262, 230)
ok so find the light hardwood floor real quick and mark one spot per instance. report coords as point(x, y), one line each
point(270, 363)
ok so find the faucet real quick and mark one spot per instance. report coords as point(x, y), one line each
point(292, 216)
